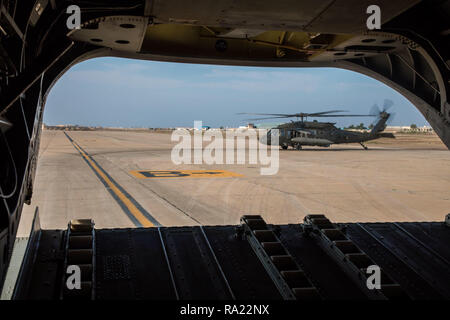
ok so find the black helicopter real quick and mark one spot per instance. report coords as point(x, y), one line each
point(313, 133)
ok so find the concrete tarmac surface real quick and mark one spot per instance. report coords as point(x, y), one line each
point(403, 179)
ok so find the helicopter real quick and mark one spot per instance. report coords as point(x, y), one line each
point(296, 134)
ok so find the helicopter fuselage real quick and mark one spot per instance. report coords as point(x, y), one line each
point(313, 133)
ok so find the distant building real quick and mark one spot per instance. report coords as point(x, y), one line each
point(425, 129)
point(408, 128)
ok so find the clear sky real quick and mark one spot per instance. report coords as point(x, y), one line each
point(134, 93)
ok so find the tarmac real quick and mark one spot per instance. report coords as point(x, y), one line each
point(95, 174)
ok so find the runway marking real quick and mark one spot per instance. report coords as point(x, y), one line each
point(158, 174)
point(137, 214)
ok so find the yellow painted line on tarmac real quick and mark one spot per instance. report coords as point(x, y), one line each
point(133, 210)
point(163, 174)
point(130, 206)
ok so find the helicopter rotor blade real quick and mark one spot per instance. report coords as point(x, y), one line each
point(254, 119)
point(321, 114)
point(344, 115)
point(267, 114)
point(324, 112)
point(292, 115)
point(375, 110)
point(387, 104)
point(318, 116)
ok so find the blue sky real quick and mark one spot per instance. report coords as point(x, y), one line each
point(134, 93)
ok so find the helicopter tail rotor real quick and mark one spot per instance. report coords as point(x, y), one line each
point(383, 117)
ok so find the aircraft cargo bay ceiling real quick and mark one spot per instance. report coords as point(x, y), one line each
point(40, 40)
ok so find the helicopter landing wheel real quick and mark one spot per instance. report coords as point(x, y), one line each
point(284, 147)
point(298, 146)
